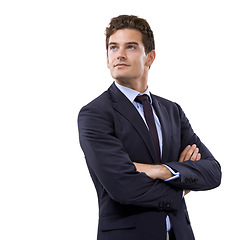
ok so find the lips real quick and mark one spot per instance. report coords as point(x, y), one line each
point(121, 65)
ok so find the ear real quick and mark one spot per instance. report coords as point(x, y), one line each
point(150, 58)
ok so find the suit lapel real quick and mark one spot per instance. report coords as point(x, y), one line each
point(166, 127)
point(128, 110)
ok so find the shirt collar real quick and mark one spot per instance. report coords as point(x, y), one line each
point(131, 94)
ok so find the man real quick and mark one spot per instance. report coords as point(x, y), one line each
point(141, 151)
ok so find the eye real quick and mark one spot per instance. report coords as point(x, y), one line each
point(113, 47)
point(131, 47)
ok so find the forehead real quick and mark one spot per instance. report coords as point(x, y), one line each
point(123, 36)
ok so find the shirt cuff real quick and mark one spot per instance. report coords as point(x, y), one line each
point(175, 174)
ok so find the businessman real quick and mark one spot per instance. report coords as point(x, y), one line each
point(141, 152)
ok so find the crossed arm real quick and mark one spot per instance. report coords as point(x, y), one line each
point(162, 172)
point(112, 169)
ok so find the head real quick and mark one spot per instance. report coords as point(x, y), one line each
point(132, 22)
point(130, 49)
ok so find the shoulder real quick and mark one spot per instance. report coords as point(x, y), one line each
point(103, 100)
point(96, 116)
point(165, 102)
point(170, 106)
point(100, 106)
point(162, 100)
point(99, 101)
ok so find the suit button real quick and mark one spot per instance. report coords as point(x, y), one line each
point(164, 206)
point(161, 205)
point(168, 206)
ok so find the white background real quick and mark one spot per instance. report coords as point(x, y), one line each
point(53, 61)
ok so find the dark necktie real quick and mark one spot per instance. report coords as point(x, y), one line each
point(148, 114)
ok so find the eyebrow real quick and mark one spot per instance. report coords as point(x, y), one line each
point(128, 43)
point(132, 43)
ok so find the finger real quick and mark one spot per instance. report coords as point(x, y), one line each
point(194, 155)
point(190, 152)
point(198, 157)
point(182, 156)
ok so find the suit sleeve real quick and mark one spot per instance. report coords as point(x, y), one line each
point(107, 158)
point(199, 175)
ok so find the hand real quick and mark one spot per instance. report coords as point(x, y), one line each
point(190, 153)
point(154, 171)
point(162, 172)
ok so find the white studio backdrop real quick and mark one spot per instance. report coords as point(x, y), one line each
point(53, 61)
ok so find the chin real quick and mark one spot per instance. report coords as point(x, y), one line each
point(122, 77)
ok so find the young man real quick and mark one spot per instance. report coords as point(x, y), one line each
point(141, 151)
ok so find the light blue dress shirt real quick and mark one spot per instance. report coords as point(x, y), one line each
point(131, 94)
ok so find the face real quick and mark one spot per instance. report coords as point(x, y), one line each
point(126, 57)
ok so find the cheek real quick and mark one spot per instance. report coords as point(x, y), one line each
point(110, 60)
point(143, 61)
point(139, 59)
point(139, 63)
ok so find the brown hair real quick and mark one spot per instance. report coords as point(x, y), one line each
point(132, 22)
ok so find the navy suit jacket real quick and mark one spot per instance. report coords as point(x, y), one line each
point(132, 205)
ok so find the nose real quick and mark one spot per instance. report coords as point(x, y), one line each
point(121, 54)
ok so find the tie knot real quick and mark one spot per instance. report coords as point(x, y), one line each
point(142, 98)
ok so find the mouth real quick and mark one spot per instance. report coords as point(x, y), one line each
point(121, 65)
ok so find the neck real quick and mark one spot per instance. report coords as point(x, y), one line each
point(139, 86)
